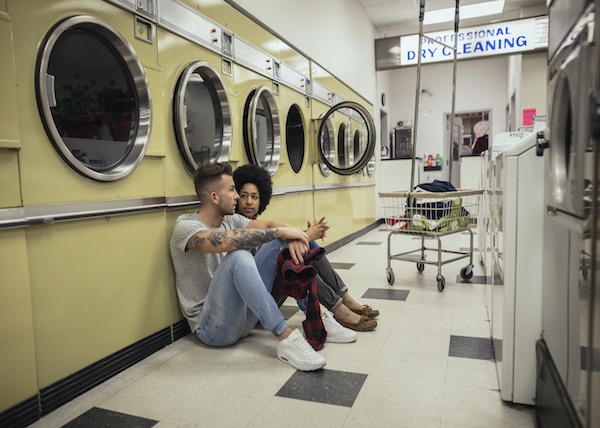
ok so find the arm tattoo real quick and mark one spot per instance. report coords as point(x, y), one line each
point(237, 238)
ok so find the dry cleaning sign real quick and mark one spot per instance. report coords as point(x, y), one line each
point(494, 39)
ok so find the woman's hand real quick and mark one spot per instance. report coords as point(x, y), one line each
point(317, 230)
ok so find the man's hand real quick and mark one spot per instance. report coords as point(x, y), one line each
point(297, 242)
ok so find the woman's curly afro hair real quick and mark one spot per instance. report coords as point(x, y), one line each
point(258, 176)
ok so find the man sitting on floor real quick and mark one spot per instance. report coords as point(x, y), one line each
point(223, 290)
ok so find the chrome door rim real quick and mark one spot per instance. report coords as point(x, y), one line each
point(213, 76)
point(250, 135)
point(140, 83)
point(370, 147)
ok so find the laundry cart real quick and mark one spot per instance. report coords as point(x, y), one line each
point(433, 215)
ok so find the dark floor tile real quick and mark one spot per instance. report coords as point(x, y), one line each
point(324, 386)
point(344, 266)
point(479, 348)
point(369, 243)
point(101, 418)
point(385, 294)
point(476, 279)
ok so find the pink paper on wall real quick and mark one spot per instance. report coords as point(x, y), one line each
point(528, 114)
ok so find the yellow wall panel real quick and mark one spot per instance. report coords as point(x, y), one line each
point(10, 191)
point(9, 109)
point(97, 287)
point(346, 210)
point(18, 377)
point(294, 209)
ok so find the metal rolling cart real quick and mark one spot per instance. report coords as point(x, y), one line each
point(431, 214)
point(427, 214)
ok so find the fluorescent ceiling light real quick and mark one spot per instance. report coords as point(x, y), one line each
point(466, 12)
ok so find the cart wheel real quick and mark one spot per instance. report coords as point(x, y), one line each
point(390, 276)
point(441, 282)
point(420, 267)
point(466, 273)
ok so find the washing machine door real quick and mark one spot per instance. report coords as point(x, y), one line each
point(202, 116)
point(354, 140)
point(93, 97)
point(262, 134)
point(570, 90)
point(327, 144)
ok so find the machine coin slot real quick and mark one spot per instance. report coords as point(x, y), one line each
point(227, 66)
point(143, 30)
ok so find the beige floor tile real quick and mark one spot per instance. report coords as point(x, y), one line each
point(350, 357)
point(471, 328)
point(219, 407)
point(471, 372)
point(151, 397)
point(477, 407)
point(385, 399)
point(290, 413)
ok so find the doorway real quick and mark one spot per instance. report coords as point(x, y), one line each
point(470, 137)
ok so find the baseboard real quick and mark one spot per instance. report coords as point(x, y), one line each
point(554, 408)
point(346, 239)
point(21, 415)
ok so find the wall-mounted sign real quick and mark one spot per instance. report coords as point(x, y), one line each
point(495, 39)
point(528, 115)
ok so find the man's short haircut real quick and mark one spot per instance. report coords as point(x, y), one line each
point(208, 174)
point(258, 176)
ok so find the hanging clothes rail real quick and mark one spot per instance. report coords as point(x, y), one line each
point(418, 88)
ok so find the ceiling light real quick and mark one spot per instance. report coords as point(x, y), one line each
point(466, 12)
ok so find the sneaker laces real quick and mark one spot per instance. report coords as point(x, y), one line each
point(301, 345)
point(331, 323)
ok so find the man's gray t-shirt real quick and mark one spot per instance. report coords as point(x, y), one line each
point(194, 271)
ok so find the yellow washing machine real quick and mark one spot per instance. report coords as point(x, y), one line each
point(293, 181)
point(86, 71)
point(17, 361)
point(195, 55)
point(344, 137)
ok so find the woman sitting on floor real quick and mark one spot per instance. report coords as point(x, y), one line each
point(255, 187)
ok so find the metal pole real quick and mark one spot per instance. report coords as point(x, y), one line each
point(451, 157)
point(418, 91)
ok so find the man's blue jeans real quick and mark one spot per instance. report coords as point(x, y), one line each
point(240, 295)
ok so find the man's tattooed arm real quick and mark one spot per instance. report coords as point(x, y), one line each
point(219, 242)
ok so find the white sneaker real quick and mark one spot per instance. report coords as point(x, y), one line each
point(297, 352)
point(337, 333)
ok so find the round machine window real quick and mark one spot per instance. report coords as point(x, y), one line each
point(352, 153)
point(294, 137)
point(262, 138)
point(202, 116)
point(93, 97)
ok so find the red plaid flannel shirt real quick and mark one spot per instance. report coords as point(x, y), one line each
point(295, 281)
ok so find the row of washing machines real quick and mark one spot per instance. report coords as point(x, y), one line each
point(539, 240)
point(107, 109)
